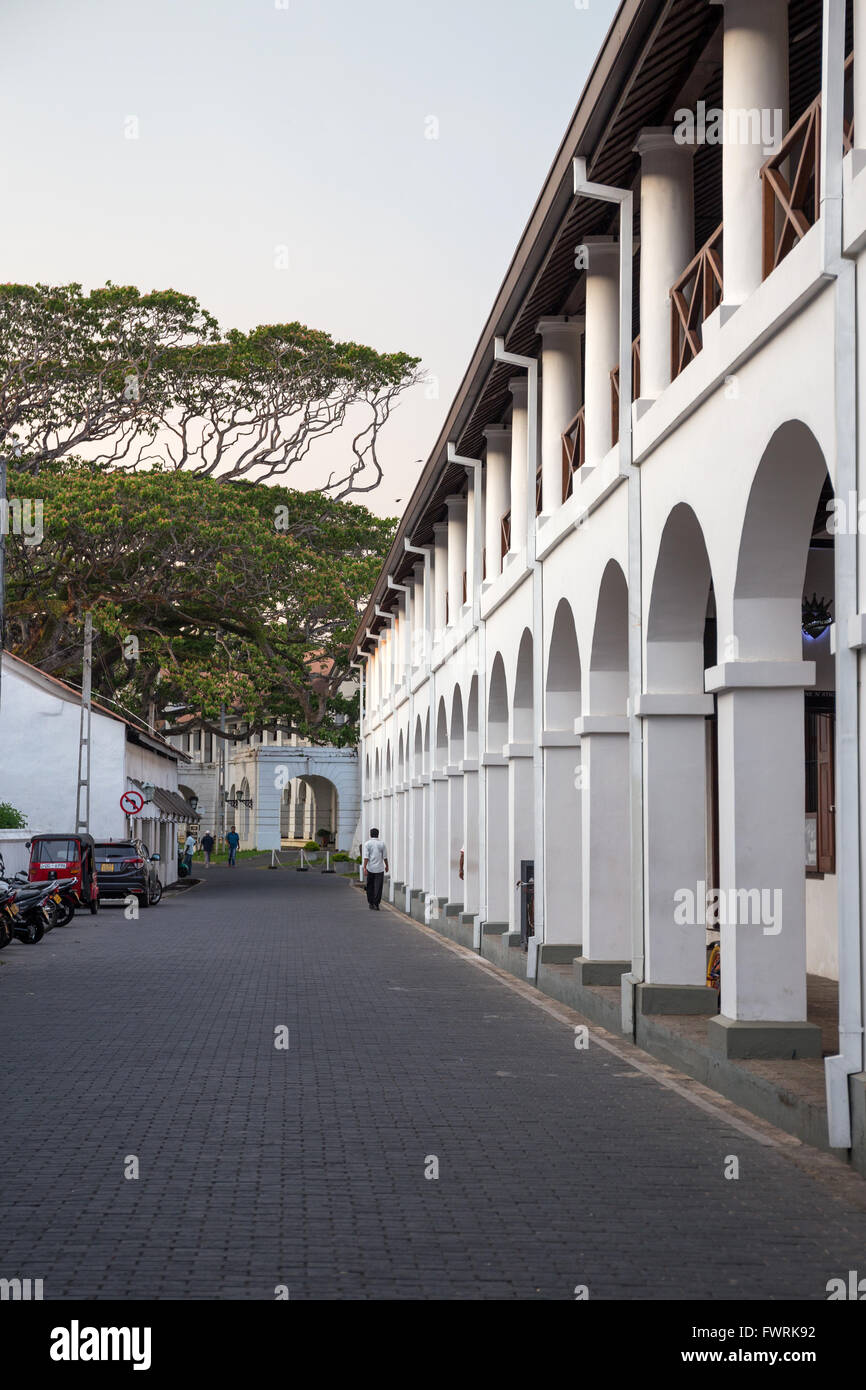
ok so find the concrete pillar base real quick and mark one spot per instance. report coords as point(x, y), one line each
point(676, 999)
point(453, 909)
point(745, 1038)
point(558, 952)
point(467, 918)
point(494, 928)
point(600, 972)
point(514, 939)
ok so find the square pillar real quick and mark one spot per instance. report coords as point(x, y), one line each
point(562, 837)
point(605, 838)
point(521, 821)
point(455, 834)
point(499, 883)
point(471, 886)
point(675, 842)
point(441, 836)
point(762, 889)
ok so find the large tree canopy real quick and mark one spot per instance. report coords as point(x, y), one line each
point(142, 378)
point(202, 592)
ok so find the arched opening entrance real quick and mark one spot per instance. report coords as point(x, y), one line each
point(471, 807)
point(680, 760)
point(499, 880)
point(760, 681)
point(521, 797)
point(606, 841)
point(562, 776)
point(455, 797)
point(441, 871)
point(418, 847)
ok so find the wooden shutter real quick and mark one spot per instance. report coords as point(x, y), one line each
point(824, 728)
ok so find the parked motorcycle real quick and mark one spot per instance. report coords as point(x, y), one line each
point(28, 910)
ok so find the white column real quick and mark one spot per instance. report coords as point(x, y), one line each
point(755, 79)
point(417, 875)
point(440, 578)
point(521, 821)
point(675, 839)
point(500, 885)
point(419, 638)
point(456, 555)
point(497, 493)
point(471, 880)
point(859, 74)
point(667, 241)
point(761, 856)
point(605, 838)
point(519, 444)
point(472, 579)
point(406, 631)
point(562, 839)
point(441, 838)
point(560, 398)
point(455, 833)
point(602, 342)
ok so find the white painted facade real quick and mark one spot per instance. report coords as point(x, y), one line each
point(39, 737)
point(296, 789)
point(621, 699)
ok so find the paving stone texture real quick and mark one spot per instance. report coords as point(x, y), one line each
point(306, 1166)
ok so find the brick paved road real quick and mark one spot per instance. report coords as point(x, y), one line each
point(305, 1167)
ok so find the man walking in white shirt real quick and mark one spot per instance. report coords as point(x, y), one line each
point(375, 869)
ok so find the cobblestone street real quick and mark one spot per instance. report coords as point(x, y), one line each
point(305, 1167)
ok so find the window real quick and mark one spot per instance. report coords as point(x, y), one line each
point(820, 782)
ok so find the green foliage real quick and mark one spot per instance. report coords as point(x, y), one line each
point(233, 592)
point(312, 845)
point(10, 818)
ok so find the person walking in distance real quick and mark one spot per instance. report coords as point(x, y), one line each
point(189, 851)
point(233, 839)
point(207, 844)
point(375, 869)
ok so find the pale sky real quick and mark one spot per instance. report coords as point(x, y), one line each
point(302, 124)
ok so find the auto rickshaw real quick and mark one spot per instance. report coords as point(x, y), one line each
point(66, 855)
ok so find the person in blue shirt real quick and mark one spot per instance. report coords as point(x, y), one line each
point(233, 839)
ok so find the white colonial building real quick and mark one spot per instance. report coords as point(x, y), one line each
point(273, 788)
point(616, 652)
point(40, 728)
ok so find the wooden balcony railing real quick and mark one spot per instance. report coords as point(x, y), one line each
point(505, 535)
point(693, 298)
point(614, 389)
point(791, 180)
point(573, 451)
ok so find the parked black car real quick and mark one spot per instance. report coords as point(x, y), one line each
point(127, 866)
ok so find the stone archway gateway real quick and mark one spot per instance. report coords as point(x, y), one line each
point(326, 779)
